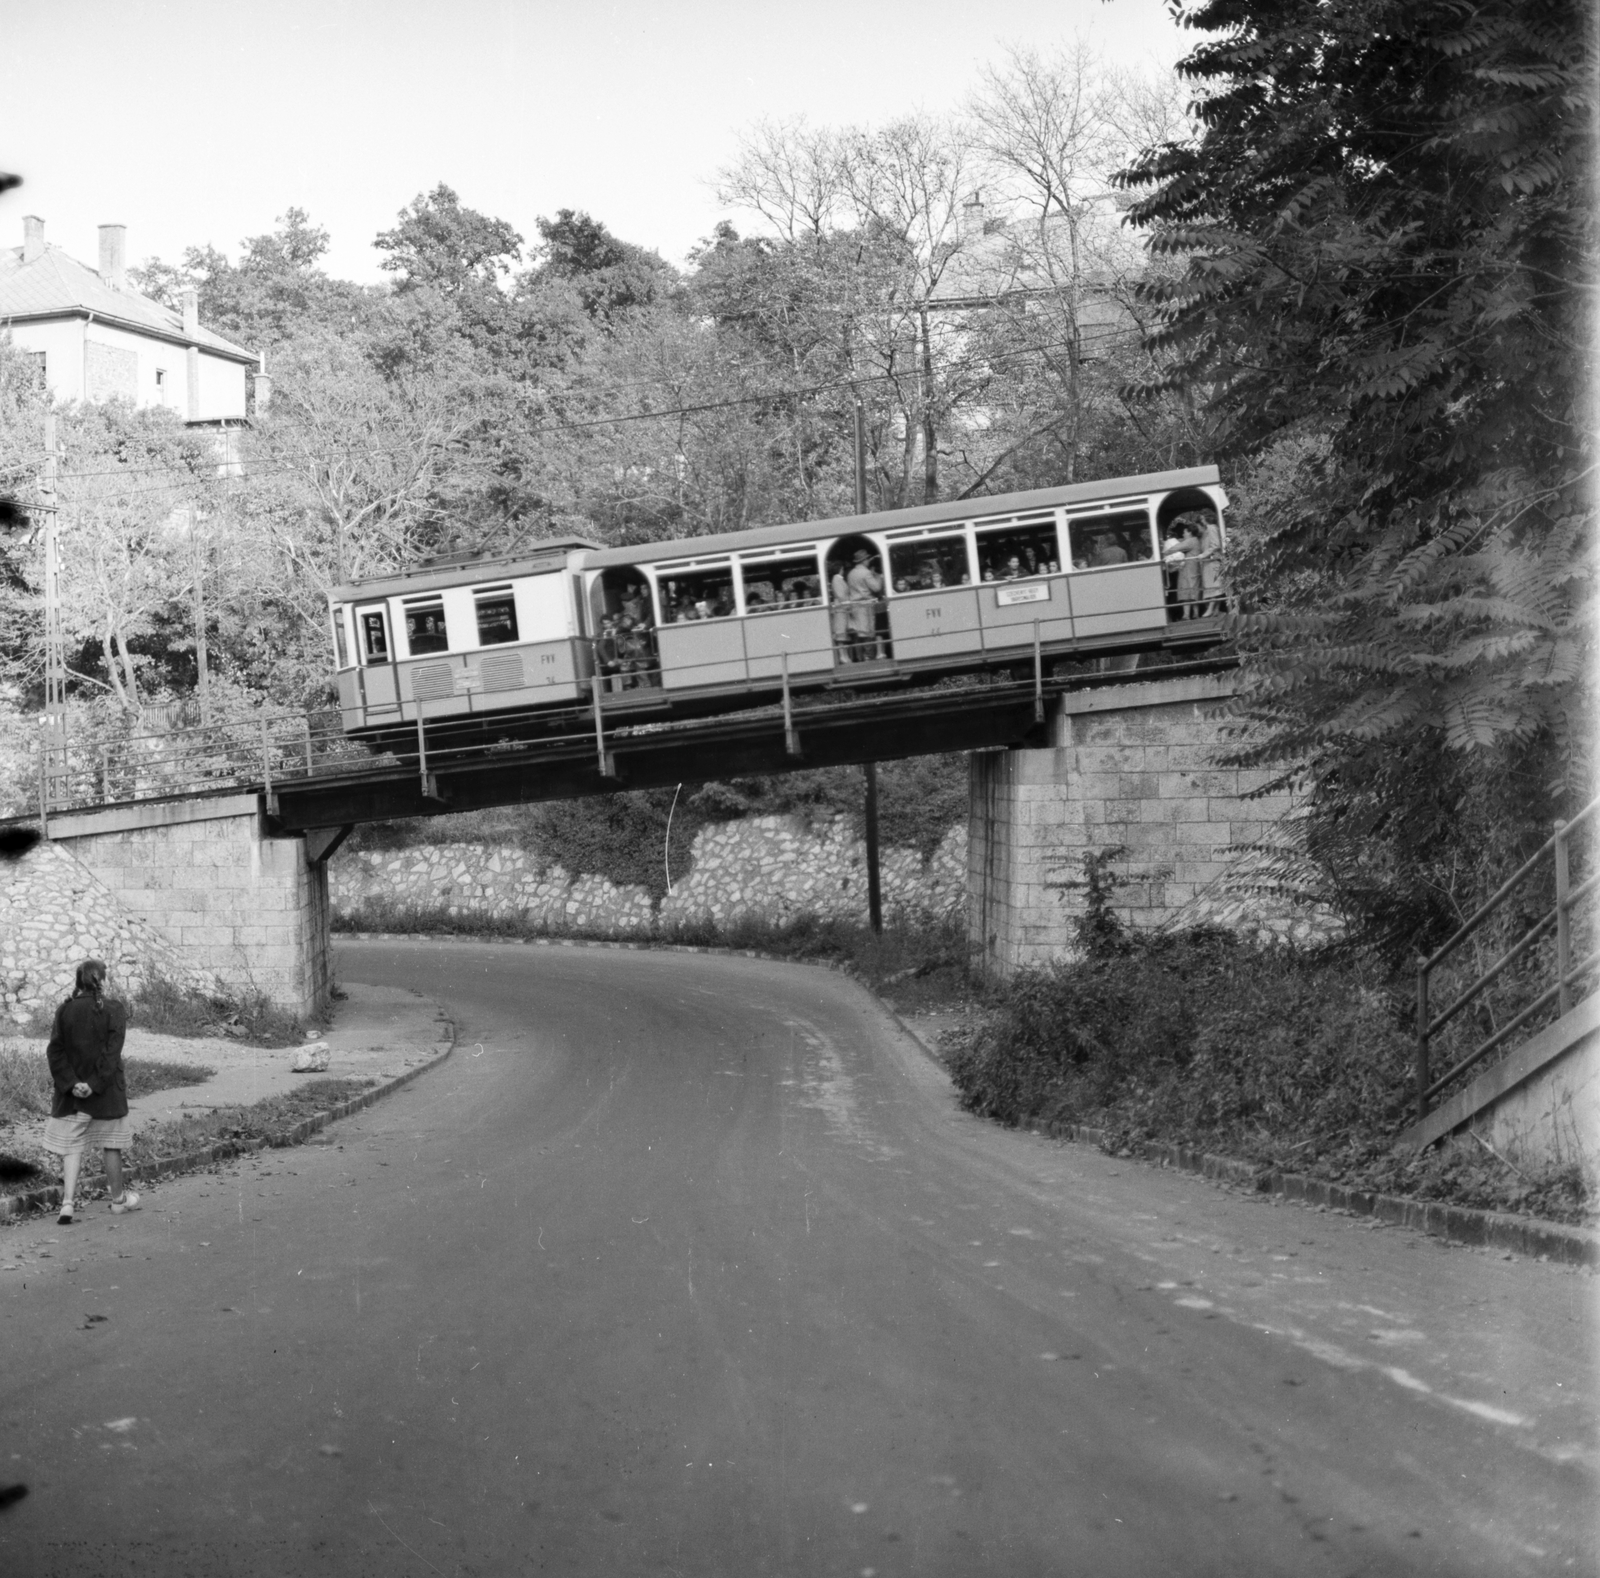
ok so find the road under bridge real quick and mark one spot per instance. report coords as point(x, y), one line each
point(220, 847)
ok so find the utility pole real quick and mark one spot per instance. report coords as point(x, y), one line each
point(874, 882)
point(870, 769)
point(201, 656)
point(54, 740)
point(861, 459)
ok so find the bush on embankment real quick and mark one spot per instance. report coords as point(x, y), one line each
point(1293, 1060)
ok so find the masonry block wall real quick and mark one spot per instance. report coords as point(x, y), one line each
point(54, 913)
point(236, 904)
point(1132, 769)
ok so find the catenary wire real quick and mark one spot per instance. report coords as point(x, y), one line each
point(772, 397)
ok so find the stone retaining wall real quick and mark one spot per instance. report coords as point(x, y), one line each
point(54, 913)
point(769, 868)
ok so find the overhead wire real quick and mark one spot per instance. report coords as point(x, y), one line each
point(771, 397)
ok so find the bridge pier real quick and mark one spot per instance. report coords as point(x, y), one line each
point(1131, 773)
point(237, 903)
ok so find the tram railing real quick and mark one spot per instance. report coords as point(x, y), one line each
point(1539, 964)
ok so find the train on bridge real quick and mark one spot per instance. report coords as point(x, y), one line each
point(714, 623)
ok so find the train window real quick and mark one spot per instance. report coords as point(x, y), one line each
point(497, 615)
point(1110, 537)
point(1015, 549)
point(425, 631)
point(696, 594)
point(373, 624)
point(773, 584)
point(340, 646)
point(929, 562)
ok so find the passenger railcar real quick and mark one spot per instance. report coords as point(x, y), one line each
point(710, 621)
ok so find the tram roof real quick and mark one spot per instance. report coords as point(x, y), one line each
point(983, 507)
point(429, 575)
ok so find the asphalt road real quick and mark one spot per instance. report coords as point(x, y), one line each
point(689, 1265)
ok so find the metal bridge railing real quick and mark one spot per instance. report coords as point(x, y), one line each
point(268, 750)
point(1544, 978)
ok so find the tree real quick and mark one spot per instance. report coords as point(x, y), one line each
point(609, 276)
point(1385, 222)
point(365, 459)
point(276, 287)
point(440, 245)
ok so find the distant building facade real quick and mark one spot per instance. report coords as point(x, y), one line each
point(94, 337)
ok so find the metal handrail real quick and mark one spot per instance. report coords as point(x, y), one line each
point(268, 749)
point(1567, 974)
point(1492, 903)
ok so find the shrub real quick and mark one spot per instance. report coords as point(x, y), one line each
point(163, 1006)
point(1196, 1036)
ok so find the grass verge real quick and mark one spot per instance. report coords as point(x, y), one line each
point(24, 1166)
point(25, 1093)
point(269, 1120)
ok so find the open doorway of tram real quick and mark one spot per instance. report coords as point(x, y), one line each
point(623, 620)
point(1189, 529)
point(857, 607)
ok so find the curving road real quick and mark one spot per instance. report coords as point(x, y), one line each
point(689, 1265)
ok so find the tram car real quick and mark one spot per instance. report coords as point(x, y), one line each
point(710, 623)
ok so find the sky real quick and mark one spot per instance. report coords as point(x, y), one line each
point(201, 121)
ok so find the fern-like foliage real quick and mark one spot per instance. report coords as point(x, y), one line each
point(1388, 226)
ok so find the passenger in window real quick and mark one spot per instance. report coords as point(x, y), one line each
point(1012, 569)
point(1211, 567)
point(839, 614)
point(605, 651)
point(1189, 571)
point(865, 587)
point(1106, 550)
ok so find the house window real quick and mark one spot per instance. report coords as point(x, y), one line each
point(161, 385)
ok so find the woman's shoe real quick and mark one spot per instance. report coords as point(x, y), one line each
point(126, 1201)
point(65, 1219)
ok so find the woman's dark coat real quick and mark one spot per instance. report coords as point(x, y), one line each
point(86, 1046)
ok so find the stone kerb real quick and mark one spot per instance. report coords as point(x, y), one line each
point(772, 868)
point(55, 912)
point(1133, 770)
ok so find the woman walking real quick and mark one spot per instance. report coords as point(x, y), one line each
point(90, 1106)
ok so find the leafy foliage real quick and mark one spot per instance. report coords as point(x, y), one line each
point(1384, 223)
point(1195, 1037)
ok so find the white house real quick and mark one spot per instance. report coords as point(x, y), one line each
point(95, 337)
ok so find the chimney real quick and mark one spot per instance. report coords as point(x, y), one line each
point(32, 237)
point(971, 227)
point(261, 388)
point(191, 310)
point(113, 242)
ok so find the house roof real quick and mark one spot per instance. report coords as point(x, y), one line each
point(53, 285)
